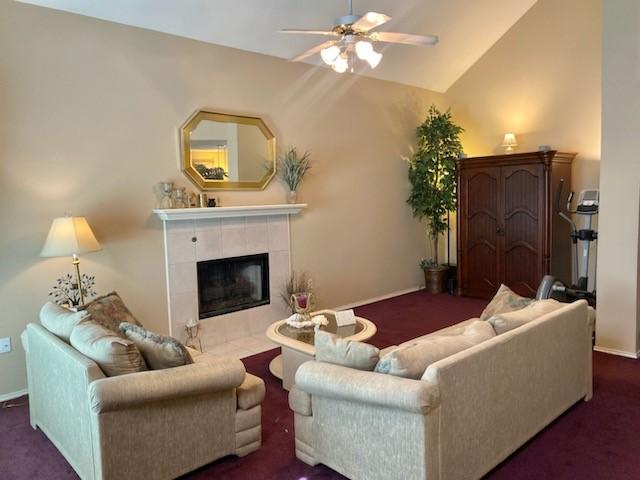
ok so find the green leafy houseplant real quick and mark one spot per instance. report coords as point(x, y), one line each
point(292, 170)
point(432, 174)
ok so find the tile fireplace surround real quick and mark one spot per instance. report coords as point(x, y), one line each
point(200, 234)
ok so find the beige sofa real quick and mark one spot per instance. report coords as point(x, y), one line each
point(153, 425)
point(469, 412)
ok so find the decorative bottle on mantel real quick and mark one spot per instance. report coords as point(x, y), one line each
point(292, 197)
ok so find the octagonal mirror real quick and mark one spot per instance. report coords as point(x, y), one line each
point(221, 151)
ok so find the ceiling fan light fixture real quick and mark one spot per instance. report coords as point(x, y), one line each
point(330, 54)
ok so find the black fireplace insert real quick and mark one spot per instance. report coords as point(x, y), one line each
point(230, 284)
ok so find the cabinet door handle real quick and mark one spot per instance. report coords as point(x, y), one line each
point(500, 231)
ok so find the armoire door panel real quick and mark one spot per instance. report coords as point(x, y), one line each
point(481, 226)
point(523, 188)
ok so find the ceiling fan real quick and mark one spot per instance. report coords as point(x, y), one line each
point(355, 37)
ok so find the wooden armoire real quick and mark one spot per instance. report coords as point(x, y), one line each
point(508, 229)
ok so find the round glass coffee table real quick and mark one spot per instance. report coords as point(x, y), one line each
point(298, 343)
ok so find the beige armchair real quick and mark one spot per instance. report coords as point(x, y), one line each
point(155, 424)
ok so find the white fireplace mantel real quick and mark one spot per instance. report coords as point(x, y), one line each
point(174, 214)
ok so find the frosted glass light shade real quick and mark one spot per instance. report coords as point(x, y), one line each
point(329, 54)
point(69, 236)
point(374, 59)
point(363, 49)
point(341, 64)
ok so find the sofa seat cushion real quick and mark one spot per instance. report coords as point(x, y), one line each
point(331, 348)
point(59, 320)
point(158, 351)
point(113, 354)
point(508, 321)
point(251, 392)
point(504, 301)
point(410, 361)
point(110, 311)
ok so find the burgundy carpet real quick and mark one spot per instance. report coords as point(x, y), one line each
point(593, 440)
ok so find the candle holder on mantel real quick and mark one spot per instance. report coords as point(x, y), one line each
point(193, 329)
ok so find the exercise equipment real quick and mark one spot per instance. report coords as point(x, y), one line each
point(586, 209)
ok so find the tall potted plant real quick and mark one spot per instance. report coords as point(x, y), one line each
point(433, 185)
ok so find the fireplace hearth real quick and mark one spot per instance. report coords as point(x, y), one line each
point(230, 284)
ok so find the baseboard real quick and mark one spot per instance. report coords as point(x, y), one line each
point(620, 353)
point(12, 395)
point(378, 299)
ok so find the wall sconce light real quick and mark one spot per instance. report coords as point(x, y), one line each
point(509, 142)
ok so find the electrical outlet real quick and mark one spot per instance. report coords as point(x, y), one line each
point(5, 345)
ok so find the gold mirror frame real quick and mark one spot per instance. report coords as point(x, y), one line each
point(208, 185)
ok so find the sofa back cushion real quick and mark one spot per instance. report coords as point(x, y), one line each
point(158, 351)
point(331, 348)
point(110, 311)
point(59, 320)
point(410, 361)
point(504, 322)
point(113, 354)
point(505, 300)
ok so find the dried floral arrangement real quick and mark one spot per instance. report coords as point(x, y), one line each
point(292, 169)
point(297, 283)
point(65, 292)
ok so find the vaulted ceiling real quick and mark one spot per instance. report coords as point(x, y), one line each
point(467, 28)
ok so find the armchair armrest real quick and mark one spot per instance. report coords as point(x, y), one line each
point(118, 393)
point(342, 383)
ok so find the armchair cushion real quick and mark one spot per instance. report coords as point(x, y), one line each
point(113, 354)
point(59, 320)
point(110, 311)
point(332, 349)
point(505, 300)
point(158, 351)
point(250, 392)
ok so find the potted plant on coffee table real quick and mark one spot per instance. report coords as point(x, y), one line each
point(433, 185)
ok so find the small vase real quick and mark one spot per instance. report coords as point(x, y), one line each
point(292, 197)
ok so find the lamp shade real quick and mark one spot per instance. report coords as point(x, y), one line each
point(509, 140)
point(69, 236)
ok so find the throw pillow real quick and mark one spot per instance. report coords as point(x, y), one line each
point(410, 361)
point(158, 351)
point(331, 348)
point(59, 320)
point(508, 321)
point(110, 311)
point(113, 354)
point(505, 300)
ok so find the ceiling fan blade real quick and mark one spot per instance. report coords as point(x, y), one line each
point(310, 32)
point(405, 38)
point(313, 50)
point(370, 20)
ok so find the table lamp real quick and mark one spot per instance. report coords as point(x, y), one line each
point(509, 142)
point(70, 236)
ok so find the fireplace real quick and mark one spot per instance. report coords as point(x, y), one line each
point(230, 284)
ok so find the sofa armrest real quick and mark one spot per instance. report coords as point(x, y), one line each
point(342, 383)
point(118, 393)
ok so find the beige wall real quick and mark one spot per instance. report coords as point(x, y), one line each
point(617, 327)
point(88, 124)
point(542, 81)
